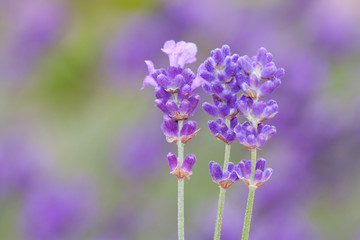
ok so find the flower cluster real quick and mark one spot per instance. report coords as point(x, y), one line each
point(185, 169)
point(222, 131)
point(224, 76)
point(243, 170)
point(223, 178)
point(174, 92)
point(221, 74)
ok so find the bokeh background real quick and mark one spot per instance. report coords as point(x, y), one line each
point(82, 155)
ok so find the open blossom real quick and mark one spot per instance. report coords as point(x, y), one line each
point(223, 178)
point(222, 131)
point(174, 86)
point(180, 53)
point(243, 170)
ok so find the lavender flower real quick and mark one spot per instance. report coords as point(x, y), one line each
point(252, 137)
point(221, 73)
point(243, 170)
point(256, 69)
point(185, 170)
point(174, 87)
point(223, 178)
point(222, 131)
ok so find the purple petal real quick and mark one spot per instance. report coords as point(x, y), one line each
point(247, 169)
point(231, 167)
point(268, 71)
point(189, 162)
point(261, 56)
point(216, 171)
point(188, 128)
point(163, 80)
point(246, 65)
point(233, 122)
point(210, 109)
point(225, 50)
point(172, 107)
point(258, 108)
point(233, 176)
point(224, 110)
point(210, 65)
point(172, 159)
point(260, 164)
point(213, 127)
point(267, 174)
point(194, 100)
point(161, 105)
point(258, 175)
point(169, 126)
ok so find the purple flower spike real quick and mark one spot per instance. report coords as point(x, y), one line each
point(223, 178)
point(258, 69)
point(180, 53)
point(243, 170)
point(188, 131)
point(170, 129)
point(220, 72)
point(185, 170)
point(222, 131)
point(252, 138)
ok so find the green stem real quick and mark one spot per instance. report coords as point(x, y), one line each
point(250, 201)
point(180, 202)
point(222, 192)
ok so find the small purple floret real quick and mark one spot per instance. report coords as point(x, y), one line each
point(189, 162)
point(172, 159)
point(185, 170)
point(252, 138)
point(223, 178)
point(222, 131)
point(243, 170)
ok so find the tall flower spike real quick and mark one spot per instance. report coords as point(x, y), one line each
point(223, 178)
point(260, 75)
point(243, 171)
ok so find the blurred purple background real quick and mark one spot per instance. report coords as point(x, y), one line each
point(82, 155)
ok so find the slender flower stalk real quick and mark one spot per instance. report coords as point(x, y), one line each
point(250, 200)
point(181, 184)
point(174, 92)
point(220, 80)
point(260, 77)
